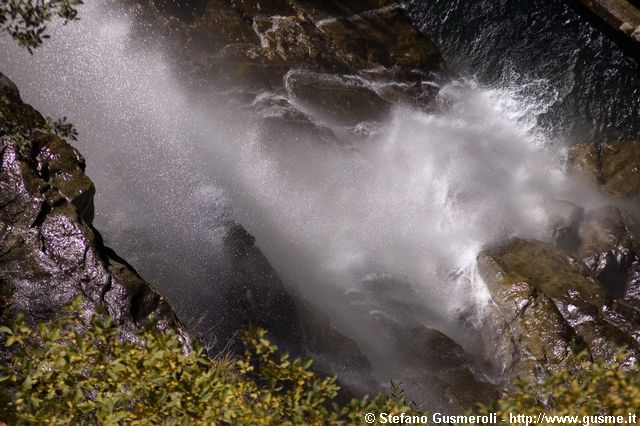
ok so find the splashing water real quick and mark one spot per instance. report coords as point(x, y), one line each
point(417, 201)
point(411, 205)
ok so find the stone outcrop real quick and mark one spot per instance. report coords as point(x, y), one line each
point(579, 292)
point(49, 251)
point(255, 296)
point(621, 18)
point(615, 166)
point(343, 60)
point(550, 304)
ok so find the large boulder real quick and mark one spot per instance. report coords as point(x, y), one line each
point(547, 306)
point(254, 295)
point(49, 251)
point(340, 99)
point(581, 292)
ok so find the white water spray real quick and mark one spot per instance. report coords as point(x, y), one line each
point(409, 207)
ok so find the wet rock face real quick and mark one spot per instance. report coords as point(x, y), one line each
point(276, 45)
point(581, 292)
point(550, 304)
point(49, 252)
point(614, 166)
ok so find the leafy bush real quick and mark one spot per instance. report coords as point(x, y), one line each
point(597, 388)
point(25, 20)
point(72, 372)
point(69, 372)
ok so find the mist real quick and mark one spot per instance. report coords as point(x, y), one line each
point(387, 220)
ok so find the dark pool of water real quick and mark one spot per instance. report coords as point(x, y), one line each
point(515, 42)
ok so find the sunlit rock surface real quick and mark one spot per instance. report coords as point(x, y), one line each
point(581, 293)
point(548, 304)
point(614, 166)
point(49, 251)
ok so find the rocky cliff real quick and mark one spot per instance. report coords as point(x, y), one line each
point(49, 251)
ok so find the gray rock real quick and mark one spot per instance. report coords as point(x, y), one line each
point(255, 295)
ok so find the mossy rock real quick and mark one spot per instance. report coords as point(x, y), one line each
point(614, 166)
point(548, 270)
point(548, 306)
point(49, 251)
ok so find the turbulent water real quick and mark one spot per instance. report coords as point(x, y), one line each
point(406, 208)
point(509, 42)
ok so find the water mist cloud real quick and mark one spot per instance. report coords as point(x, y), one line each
point(385, 224)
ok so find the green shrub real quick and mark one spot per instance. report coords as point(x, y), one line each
point(597, 388)
point(69, 372)
point(25, 20)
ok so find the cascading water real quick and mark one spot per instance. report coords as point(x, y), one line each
point(385, 225)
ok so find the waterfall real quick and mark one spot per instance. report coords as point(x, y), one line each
point(387, 223)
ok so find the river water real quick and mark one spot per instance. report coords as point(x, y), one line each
point(541, 46)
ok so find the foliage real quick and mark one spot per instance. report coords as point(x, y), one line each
point(597, 388)
point(68, 371)
point(75, 371)
point(22, 123)
point(61, 128)
point(25, 20)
